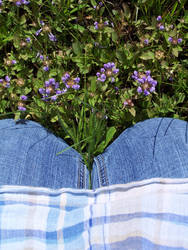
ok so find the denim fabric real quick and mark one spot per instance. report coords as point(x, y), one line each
point(154, 148)
point(28, 157)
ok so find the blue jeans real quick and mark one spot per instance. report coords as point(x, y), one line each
point(154, 148)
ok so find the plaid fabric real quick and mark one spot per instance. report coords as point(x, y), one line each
point(149, 214)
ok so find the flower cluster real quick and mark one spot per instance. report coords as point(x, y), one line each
point(20, 2)
point(46, 28)
point(100, 25)
point(9, 62)
point(70, 82)
point(21, 104)
point(45, 60)
point(159, 24)
point(146, 83)
point(98, 6)
point(5, 82)
point(51, 90)
point(174, 41)
point(108, 71)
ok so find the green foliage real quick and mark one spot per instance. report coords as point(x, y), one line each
point(128, 34)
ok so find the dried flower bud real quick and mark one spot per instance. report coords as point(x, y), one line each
point(23, 44)
point(20, 82)
point(128, 102)
point(70, 83)
point(159, 54)
point(21, 104)
point(8, 62)
point(99, 115)
point(108, 72)
point(46, 28)
point(13, 96)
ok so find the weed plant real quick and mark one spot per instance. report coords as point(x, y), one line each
point(87, 70)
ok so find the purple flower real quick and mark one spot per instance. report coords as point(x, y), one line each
point(58, 92)
point(38, 32)
point(106, 23)
point(102, 78)
point(146, 41)
point(28, 39)
point(148, 72)
point(45, 68)
point(54, 98)
point(23, 97)
point(41, 57)
point(42, 23)
point(161, 27)
point(18, 3)
point(65, 77)
point(102, 70)
point(112, 79)
point(52, 37)
point(52, 81)
point(41, 91)
point(21, 108)
point(77, 80)
point(139, 90)
point(56, 85)
point(112, 25)
point(159, 18)
point(135, 75)
point(13, 61)
point(0, 2)
point(170, 39)
point(76, 86)
point(25, 2)
point(47, 84)
point(96, 25)
point(100, 4)
point(115, 71)
point(7, 78)
point(180, 40)
point(146, 92)
point(95, 7)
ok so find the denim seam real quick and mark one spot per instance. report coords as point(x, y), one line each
point(103, 180)
point(81, 175)
point(97, 174)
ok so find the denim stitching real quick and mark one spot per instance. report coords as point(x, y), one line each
point(102, 172)
point(96, 177)
point(186, 132)
point(81, 175)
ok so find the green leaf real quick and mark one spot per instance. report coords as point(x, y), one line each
point(175, 52)
point(77, 48)
point(93, 2)
point(22, 20)
point(132, 111)
point(114, 36)
point(147, 55)
point(110, 133)
point(54, 119)
point(79, 28)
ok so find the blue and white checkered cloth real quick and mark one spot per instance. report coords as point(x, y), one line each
point(149, 214)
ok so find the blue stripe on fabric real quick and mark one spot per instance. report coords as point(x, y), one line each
point(74, 234)
point(79, 228)
point(136, 243)
point(52, 222)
